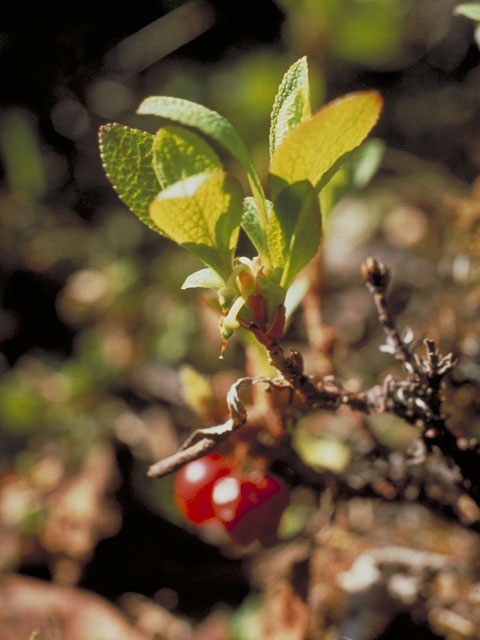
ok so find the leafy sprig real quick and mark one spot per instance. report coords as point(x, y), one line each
point(175, 183)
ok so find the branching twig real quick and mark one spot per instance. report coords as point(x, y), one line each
point(416, 398)
point(377, 278)
point(202, 441)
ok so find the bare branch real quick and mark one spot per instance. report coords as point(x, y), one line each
point(202, 441)
point(416, 399)
point(377, 278)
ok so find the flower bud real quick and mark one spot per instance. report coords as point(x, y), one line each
point(375, 273)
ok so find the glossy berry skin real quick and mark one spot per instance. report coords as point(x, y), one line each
point(249, 506)
point(194, 483)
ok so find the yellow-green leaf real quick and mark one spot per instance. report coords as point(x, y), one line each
point(314, 149)
point(179, 153)
point(211, 124)
point(277, 242)
point(202, 213)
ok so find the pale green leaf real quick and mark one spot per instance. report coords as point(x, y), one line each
point(292, 103)
point(204, 279)
point(469, 10)
point(313, 150)
point(295, 294)
point(357, 171)
point(365, 162)
point(127, 159)
point(252, 227)
point(332, 193)
point(211, 124)
point(179, 153)
point(298, 213)
point(202, 213)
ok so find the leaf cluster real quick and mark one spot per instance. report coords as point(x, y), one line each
point(175, 182)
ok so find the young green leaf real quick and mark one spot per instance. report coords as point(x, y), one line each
point(127, 159)
point(196, 115)
point(293, 230)
point(312, 150)
point(252, 227)
point(211, 124)
point(202, 213)
point(469, 10)
point(204, 279)
point(365, 162)
point(277, 242)
point(179, 153)
point(298, 213)
point(292, 103)
point(295, 294)
point(357, 171)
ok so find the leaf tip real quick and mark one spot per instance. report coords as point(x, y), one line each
point(101, 132)
point(377, 98)
point(104, 129)
point(143, 108)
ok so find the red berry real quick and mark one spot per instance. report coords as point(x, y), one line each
point(249, 506)
point(193, 486)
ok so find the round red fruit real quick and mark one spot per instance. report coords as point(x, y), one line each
point(249, 506)
point(194, 483)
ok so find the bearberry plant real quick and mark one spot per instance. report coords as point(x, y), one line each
point(174, 181)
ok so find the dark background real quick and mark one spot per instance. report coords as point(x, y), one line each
point(60, 218)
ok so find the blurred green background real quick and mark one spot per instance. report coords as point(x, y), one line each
point(93, 326)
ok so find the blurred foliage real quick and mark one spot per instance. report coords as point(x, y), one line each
point(94, 328)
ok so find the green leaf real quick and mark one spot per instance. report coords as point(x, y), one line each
point(252, 227)
point(127, 159)
point(295, 294)
point(365, 162)
point(293, 230)
point(292, 103)
point(357, 171)
point(469, 10)
point(313, 150)
point(202, 213)
point(205, 278)
point(212, 124)
point(298, 213)
point(277, 242)
point(179, 153)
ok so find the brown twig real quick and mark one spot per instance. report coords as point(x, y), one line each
point(202, 441)
point(416, 399)
point(377, 278)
